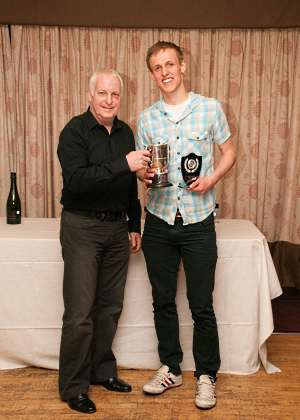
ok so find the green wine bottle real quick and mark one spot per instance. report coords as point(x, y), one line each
point(13, 205)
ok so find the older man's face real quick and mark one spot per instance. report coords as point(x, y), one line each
point(105, 100)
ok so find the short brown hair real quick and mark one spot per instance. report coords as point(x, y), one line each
point(162, 45)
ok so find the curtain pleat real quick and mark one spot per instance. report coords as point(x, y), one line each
point(254, 73)
point(8, 151)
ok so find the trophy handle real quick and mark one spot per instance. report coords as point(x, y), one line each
point(149, 148)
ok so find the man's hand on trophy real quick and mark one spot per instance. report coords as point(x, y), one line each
point(138, 160)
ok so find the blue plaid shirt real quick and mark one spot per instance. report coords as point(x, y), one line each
point(202, 124)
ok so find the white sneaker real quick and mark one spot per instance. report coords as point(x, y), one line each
point(162, 380)
point(206, 393)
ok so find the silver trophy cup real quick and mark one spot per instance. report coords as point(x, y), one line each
point(159, 162)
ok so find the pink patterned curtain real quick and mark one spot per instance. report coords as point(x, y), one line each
point(7, 121)
point(254, 73)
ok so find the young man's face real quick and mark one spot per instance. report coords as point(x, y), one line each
point(167, 71)
point(105, 100)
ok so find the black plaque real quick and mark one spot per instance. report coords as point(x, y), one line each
point(191, 167)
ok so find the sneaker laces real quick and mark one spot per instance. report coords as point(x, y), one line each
point(160, 376)
point(206, 387)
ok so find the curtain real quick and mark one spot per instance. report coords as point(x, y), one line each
point(8, 151)
point(254, 73)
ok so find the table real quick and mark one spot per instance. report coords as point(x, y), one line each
point(31, 304)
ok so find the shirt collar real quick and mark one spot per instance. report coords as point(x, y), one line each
point(193, 102)
point(92, 122)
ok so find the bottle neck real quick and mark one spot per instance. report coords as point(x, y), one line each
point(13, 184)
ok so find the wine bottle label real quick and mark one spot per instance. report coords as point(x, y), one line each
point(14, 217)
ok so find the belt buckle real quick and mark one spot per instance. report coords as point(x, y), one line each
point(110, 217)
point(100, 215)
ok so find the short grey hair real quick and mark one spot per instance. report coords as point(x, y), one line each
point(96, 74)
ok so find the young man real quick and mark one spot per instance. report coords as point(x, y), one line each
point(100, 206)
point(179, 222)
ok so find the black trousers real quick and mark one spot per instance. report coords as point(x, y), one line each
point(95, 257)
point(164, 246)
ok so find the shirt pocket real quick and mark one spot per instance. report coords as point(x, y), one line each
point(159, 140)
point(197, 142)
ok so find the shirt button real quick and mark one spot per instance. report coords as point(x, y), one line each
point(165, 113)
point(177, 122)
point(177, 138)
point(178, 153)
point(178, 198)
point(178, 169)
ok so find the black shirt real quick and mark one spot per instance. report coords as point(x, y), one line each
point(96, 175)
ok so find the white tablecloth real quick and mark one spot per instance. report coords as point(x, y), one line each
point(31, 304)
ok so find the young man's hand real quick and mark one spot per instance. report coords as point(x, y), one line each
point(145, 175)
point(201, 185)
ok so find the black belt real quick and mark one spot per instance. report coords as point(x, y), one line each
point(103, 215)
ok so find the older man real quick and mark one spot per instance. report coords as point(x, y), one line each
point(100, 206)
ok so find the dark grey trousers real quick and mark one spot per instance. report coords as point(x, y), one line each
point(95, 255)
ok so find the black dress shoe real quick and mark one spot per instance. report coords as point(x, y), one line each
point(82, 403)
point(114, 384)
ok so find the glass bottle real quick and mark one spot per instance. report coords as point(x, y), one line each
point(13, 205)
